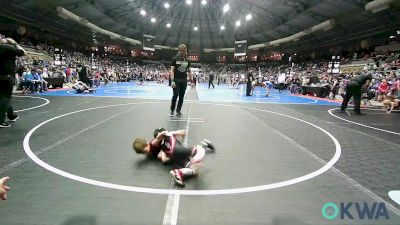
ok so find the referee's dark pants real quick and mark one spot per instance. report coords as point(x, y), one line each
point(179, 91)
point(248, 88)
point(281, 87)
point(352, 89)
point(210, 83)
point(6, 88)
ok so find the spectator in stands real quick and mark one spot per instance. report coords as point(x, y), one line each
point(97, 78)
point(68, 74)
point(314, 80)
point(396, 87)
point(38, 81)
point(45, 73)
point(390, 102)
point(9, 50)
point(42, 82)
point(334, 88)
point(295, 86)
point(383, 89)
point(31, 81)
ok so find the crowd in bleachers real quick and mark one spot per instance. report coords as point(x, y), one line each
point(386, 68)
point(33, 69)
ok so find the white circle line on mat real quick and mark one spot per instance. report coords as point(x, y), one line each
point(395, 196)
point(303, 178)
point(35, 107)
point(360, 124)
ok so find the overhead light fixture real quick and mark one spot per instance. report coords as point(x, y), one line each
point(189, 2)
point(142, 12)
point(195, 28)
point(153, 20)
point(237, 23)
point(166, 5)
point(168, 25)
point(249, 17)
point(222, 27)
point(204, 2)
point(378, 5)
point(391, 37)
point(378, 9)
point(225, 8)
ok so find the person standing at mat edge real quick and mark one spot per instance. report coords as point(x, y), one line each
point(355, 88)
point(9, 50)
point(249, 83)
point(180, 68)
point(211, 80)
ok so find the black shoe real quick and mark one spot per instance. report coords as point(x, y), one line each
point(208, 144)
point(187, 164)
point(179, 114)
point(171, 114)
point(4, 125)
point(14, 118)
point(342, 110)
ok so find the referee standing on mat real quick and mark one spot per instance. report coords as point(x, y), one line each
point(9, 50)
point(180, 68)
point(355, 88)
point(211, 80)
point(249, 83)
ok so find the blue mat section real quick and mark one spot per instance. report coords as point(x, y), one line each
point(221, 93)
point(226, 93)
point(148, 90)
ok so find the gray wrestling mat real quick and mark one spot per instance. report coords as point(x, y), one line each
point(275, 164)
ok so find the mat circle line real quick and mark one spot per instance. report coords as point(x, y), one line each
point(35, 107)
point(360, 124)
point(306, 177)
point(122, 91)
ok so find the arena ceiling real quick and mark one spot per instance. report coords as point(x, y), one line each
point(271, 20)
